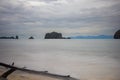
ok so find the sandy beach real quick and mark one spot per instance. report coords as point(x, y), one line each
point(20, 75)
point(27, 74)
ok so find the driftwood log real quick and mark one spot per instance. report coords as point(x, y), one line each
point(44, 73)
point(6, 74)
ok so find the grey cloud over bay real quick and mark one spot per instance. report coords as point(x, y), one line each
point(71, 17)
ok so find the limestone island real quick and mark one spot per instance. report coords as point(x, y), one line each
point(12, 37)
point(117, 35)
point(55, 35)
point(31, 37)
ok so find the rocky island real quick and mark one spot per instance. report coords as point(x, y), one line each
point(117, 35)
point(55, 35)
point(12, 37)
point(31, 37)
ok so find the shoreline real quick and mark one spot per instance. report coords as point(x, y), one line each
point(20, 75)
point(41, 73)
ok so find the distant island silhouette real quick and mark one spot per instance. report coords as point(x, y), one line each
point(117, 35)
point(4, 37)
point(55, 35)
point(31, 37)
point(93, 37)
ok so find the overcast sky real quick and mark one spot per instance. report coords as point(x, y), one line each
point(70, 17)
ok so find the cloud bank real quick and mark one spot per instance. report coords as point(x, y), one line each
point(70, 17)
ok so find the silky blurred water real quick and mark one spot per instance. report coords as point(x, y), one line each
point(86, 59)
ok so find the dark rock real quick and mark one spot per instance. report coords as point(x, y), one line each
point(53, 35)
point(17, 37)
point(4, 37)
point(7, 37)
point(117, 35)
point(31, 37)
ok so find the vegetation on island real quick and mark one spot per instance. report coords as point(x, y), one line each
point(31, 37)
point(55, 35)
point(11, 37)
point(117, 35)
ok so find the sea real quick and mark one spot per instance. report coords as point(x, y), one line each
point(84, 59)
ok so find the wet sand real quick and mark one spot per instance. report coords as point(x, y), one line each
point(24, 72)
point(20, 75)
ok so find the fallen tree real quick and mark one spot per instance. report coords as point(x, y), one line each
point(44, 73)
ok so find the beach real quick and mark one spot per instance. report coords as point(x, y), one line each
point(20, 75)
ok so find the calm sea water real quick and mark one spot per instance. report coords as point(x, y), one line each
point(84, 59)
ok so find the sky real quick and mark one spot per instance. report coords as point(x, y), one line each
point(70, 17)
